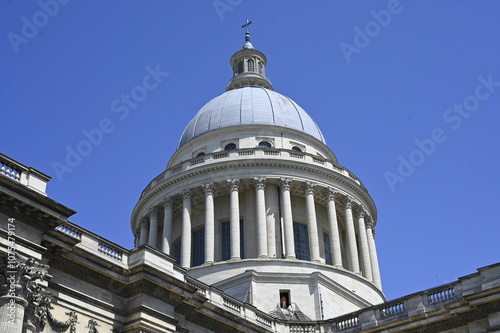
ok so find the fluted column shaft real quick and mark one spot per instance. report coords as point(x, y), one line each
point(234, 218)
point(272, 217)
point(334, 229)
point(153, 227)
point(186, 230)
point(12, 314)
point(209, 223)
point(167, 226)
point(312, 222)
point(144, 232)
point(260, 184)
point(365, 252)
point(351, 236)
point(373, 254)
point(285, 185)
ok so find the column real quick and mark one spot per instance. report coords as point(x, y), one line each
point(234, 218)
point(285, 185)
point(153, 227)
point(209, 223)
point(373, 253)
point(272, 218)
point(144, 231)
point(186, 230)
point(365, 252)
point(334, 228)
point(167, 226)
point(351, 236)
point(260, 184)
point(312, 223)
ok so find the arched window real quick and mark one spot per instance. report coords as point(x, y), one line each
point(264, 144)
point(261, 68)
point(251, 66)
point(200, 154)
point(240, 67)
point(230, 146)
point(297, 149)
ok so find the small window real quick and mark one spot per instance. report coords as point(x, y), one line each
point(200, 154)
point(297, 149)
point(230, 146)
point(240, 67)
point(251, 66)
point(284, 299)
point(261, 71)
point(264, 144)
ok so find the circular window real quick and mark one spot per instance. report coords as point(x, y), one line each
point(230, 146)
point(297, 149)
point(264, 144)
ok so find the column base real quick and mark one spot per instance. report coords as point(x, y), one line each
point(234, 259)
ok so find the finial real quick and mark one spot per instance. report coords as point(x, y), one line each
point(247, 45)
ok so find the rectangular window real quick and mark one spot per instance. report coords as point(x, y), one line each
point(328, 249)
point(198, 247)
point(301, 238)
point(285, 299)
point(226, 241)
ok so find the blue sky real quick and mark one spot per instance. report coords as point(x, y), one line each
point(407, 94)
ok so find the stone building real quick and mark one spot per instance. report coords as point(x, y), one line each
point(254, 226)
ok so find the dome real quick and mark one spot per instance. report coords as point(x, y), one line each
point(250, 106)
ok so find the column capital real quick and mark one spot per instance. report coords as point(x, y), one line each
point(348, 201)
point(187, 194)
point(234, 184)
point(154, 210)
point(144, 222)
point(369, 222)
point(361, 213)
point(309, 187)
point(167, 202)
point(259, 183)
point(285, 184)
point(331, 194)
point(209, 188)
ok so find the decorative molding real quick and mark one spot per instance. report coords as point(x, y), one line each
point(187, 194)
point(167, 202)
point(331, 194)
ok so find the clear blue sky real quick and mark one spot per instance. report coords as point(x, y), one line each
point(386, 91)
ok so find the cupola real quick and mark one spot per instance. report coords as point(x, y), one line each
point(249, 66)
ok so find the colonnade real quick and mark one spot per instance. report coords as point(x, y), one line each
point(359, 250)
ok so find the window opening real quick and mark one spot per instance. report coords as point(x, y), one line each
point(230, 146)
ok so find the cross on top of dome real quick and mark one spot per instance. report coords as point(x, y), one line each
point(247, 45)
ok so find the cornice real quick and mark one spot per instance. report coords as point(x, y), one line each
point(349, 183)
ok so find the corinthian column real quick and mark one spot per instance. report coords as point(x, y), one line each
point(167, 225)
point(260, 184)
point(209, 223)
point(144, 231)
point(285, 184)
point(234, 219)
point(153, 227)
point(365, 252)
point(311, 221)
point(351, 236)
point(334, 228)
point(373, 253)
point(186, 230)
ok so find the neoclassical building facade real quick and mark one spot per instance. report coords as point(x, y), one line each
point(253, 227)
point(254, 187)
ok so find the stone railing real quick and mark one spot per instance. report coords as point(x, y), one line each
point(27, 176)
point(239, 154)
point(408, 306)
point(244, 310)
point(94, 243)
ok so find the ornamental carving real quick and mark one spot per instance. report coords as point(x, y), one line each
point(167, 202)
point(186, 195)
point(360, 212)
point(153, 211)
point(285, 184)
point(309, 187)
point(348, 202)
point(259, 183)
point(234, 184)
point(209, 189)
point(330, 194)
point(92, 326)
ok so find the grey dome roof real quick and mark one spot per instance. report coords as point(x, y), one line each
point(250, 106)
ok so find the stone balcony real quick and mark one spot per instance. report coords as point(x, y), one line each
point(27, 176)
